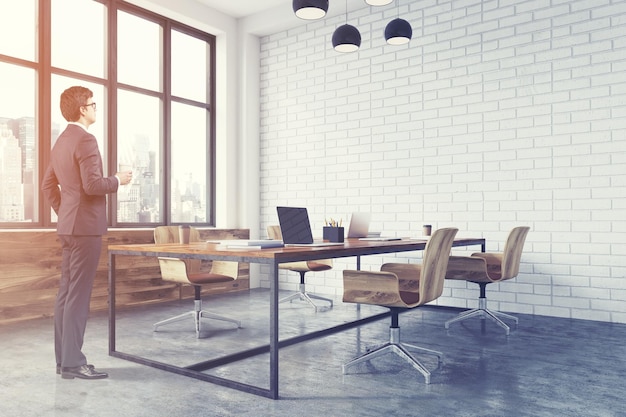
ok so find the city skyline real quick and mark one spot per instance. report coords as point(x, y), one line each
point(138, 202)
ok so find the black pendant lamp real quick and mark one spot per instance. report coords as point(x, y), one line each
point(398, 32)
point(310, 9)
point(346, 38)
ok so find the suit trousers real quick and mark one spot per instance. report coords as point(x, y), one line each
point(80, 257)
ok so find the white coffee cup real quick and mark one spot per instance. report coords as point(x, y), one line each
point(125, 168)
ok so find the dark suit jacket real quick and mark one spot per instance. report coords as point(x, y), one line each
point(75, 186)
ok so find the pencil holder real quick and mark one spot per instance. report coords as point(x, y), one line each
point(333, 234)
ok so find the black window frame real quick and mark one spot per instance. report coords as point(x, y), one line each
point(44, 104)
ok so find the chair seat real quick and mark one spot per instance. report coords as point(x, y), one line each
point(309, 266)
point(316, 266)
point(406, 299)
point(207, 278)
point(410, 298)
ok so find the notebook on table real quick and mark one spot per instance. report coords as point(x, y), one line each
point(252, 244)
point(380, 238)
point(296, 228)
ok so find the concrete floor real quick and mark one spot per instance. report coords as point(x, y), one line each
point(546, 367)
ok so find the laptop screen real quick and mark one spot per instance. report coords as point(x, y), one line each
point(294, 225)
point(359, 225)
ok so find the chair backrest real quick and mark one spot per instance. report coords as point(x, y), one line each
point(170, 234)
point(274, 233)
point(512, 253)
point(435, 263)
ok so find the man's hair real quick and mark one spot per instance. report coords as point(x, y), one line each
point(72, 100)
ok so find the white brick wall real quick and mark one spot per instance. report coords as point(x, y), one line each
point(497, 114)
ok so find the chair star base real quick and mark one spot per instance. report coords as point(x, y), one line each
point(401, 349)
point(197, 314)
point(483, 312)
point(305, 296)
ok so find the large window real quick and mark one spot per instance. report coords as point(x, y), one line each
point(152, 80)
point(18, 144)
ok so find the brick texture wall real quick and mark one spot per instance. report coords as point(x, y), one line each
point(496, 114)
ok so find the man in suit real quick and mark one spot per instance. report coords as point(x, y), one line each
point(76, 188)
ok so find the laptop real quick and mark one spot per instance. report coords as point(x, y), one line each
point(359, 225)
point(296, 228)
point(359, 228)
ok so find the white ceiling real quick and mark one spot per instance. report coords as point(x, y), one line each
point(243, 8)
point(264, 17)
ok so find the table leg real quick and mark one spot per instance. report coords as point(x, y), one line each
point(358, 268)
point(111, 303)
point(274, 331)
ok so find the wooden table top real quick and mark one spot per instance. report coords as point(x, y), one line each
point(213, 250)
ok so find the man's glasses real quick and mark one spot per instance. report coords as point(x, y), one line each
point(91, 104)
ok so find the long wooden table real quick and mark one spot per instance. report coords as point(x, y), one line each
point(272, 258)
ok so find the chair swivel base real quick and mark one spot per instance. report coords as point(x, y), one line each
point(401, 349)
point(305, 296)
point(197, 314)
point(483, 312)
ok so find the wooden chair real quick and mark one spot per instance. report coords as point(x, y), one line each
point(400, 287)
point(302, 268)
point(189, 271)
point(483, 268)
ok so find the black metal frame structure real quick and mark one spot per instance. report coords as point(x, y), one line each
point(271, 257)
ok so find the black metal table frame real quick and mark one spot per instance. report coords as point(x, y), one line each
point(305, 254)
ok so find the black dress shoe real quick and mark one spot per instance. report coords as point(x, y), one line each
point(59, 368)
point(83, 372)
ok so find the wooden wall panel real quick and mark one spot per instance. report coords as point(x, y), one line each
point(30, 262)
